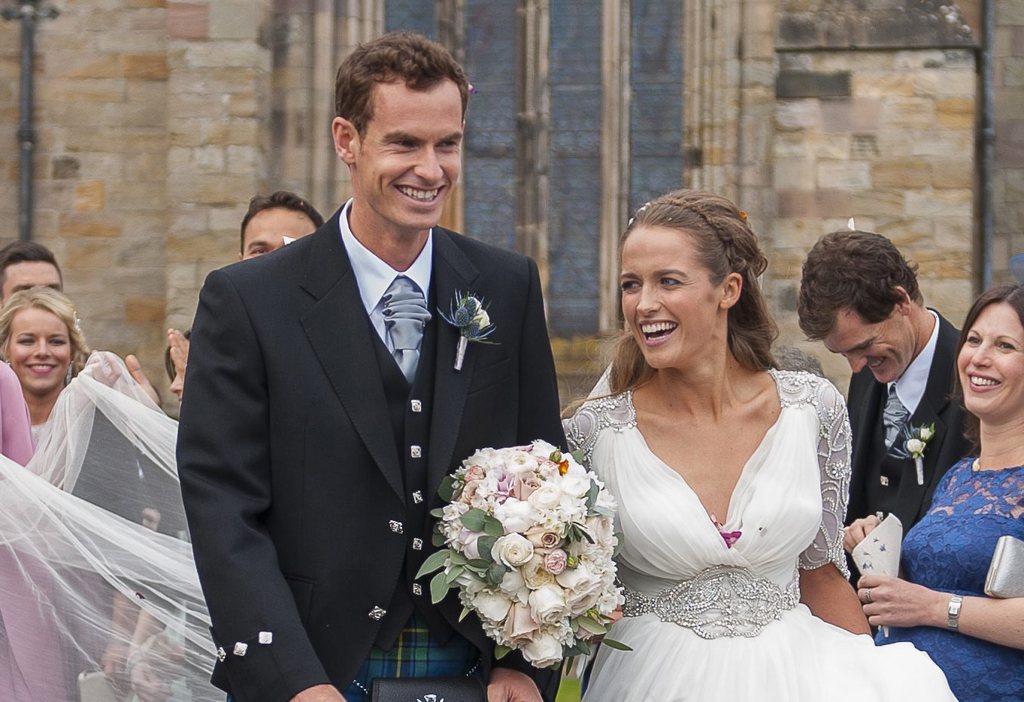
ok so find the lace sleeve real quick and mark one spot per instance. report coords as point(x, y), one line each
point(834, 465)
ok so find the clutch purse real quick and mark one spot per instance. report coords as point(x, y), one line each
point(1006, 573)
point(452, 689)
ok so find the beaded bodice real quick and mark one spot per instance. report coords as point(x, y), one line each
point(788, 507)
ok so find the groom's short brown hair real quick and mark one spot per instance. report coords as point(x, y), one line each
point(853, 270)
point(408, 57)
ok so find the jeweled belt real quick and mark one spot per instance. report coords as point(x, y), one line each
point(719, 601)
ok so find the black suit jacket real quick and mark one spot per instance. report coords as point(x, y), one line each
point(866, 401)
point(288, 463)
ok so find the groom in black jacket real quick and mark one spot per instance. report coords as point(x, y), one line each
point(860, 296)
point(313, 438)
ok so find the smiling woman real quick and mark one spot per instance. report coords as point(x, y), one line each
point(41, 339)
point(939, 604)
point(731, 478)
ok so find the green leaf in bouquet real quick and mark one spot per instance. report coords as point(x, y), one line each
point(495, 574)
point(437, 512)
point(479, 566)
point(617, 645)
point(578, 648)
point(591, 625)
point(484, 545)
point(452, 575)
point(466, 611)
point(592, 496)
point(434, 562)
point(457, 558)
point(577, 532)
point(446, 490)
point(438, 588)
point(501, 651)
point(474, 519)
point(578, 456)
point(492, 527)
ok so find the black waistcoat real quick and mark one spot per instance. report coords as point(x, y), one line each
point(410, 411)
point(887, 478)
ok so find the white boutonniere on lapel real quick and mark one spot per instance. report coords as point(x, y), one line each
point(915, 445)
point(468, 314)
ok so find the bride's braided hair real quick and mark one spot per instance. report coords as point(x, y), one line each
point(725, 244)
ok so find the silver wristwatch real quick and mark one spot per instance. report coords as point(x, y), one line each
point(953, 612)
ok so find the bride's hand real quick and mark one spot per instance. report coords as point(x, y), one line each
point(858, 531)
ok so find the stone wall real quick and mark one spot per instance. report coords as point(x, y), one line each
point(874, 120)
point(100, 163)
point(1008, 169)
point(158, 119)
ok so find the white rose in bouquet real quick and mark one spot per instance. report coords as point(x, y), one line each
point(514, 515)
point(543, 650)
point(547, 604)
point(546, 498)
point(513, 550)
point(491, 605)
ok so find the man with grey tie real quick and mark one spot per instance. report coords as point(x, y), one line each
point(329, 395)
point(860, 296)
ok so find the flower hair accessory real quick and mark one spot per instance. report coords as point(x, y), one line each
point(468, 314)
point(916, 443)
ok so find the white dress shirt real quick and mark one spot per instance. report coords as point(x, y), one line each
point(374, 276)
point(911, 385)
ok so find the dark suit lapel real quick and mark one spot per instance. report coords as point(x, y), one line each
point(866, 416)
point(937, 393)
point(341, 336)
point(452, 274)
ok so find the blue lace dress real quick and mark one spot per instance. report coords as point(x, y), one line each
point(950, 551)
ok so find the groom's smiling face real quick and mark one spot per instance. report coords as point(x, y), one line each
point(886, 348)
point(407, 160)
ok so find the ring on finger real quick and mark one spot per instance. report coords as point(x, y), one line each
point(867, 596)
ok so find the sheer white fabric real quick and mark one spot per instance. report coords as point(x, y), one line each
point(95, 566)
point(788, 505)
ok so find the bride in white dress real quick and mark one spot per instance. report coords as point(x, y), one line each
point(732, 481)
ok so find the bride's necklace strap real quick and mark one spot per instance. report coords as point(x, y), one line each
point(719, 601)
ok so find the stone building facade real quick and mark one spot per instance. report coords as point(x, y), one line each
point(156, 120)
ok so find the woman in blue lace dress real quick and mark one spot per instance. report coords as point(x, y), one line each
point(939, 605)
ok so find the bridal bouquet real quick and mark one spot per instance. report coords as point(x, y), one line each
point(528, 541)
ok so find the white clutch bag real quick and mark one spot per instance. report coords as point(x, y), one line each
point(1006, 573)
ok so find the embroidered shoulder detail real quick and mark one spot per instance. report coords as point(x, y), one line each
point(798, 387)
point(583, 428)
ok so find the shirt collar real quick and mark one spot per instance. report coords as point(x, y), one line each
point(374, 276)
point(911, 385)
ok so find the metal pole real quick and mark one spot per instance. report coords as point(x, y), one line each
point(27, 12)
point(988, 137)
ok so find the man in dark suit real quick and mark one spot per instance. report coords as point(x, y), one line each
point(860, 297)
point(313, 438)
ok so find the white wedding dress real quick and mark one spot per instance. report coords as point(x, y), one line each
point(732, 628)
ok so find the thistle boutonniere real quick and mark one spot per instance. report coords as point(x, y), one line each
point(916, 443)
point(468, 314)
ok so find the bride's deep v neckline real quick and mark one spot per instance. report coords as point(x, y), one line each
point(745, 477)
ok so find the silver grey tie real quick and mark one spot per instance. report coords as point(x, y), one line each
point(405, 317)
point(894, 417)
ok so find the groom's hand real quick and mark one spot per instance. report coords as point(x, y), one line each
point(319, 693)
point(509, 685)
